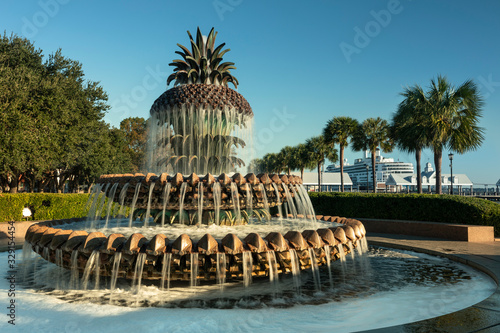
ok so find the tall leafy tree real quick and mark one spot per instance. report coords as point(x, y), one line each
point(50, 112)
point(136, 136)
point(408, 126)
point(340, 130)
point(319, 151)
point(79, 107)
point(26, 142)
point(373, 133)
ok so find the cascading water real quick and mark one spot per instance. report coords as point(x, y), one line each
point(328, 264)
point(181, 203)
point(100, 207)
point(148, 210)
point(59, 263)
point(194, 269)
point(351, 249)
point(221, 269)
point(200, 203)
point(165, 270)
point(91, 262)
point(91, 197)
point(308, 204)
point(315, 269)
point(364, 245)
point(236, 202)
point(123, 193)
point(75, 275)
point(278, 200)
point(139, 268)
point(247, 268)
point(217, 199)
point(342, 258)
point(110, 203)
point(117, 257)
point(264, 198)
point(92, 211)
point(289, 202)
point(249, 198)
point(165, 196)
point(273, 270)
point(294, 260)
point(132, 207)
point(298, 202)
point(193, 139)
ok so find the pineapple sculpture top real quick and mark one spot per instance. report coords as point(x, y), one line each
point(197, 125)
point(203, 64)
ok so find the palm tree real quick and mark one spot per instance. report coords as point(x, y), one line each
point(451, 117)
point(301, 159)
point(319, 151)
point(286, 158)
point(339, 130)
point(408, 126)
point(256, 165)
point(271, 163)
point(370, 135)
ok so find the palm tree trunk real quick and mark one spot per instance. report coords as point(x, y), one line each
point(319, 177)
point(418, 155)
point(341, 168)
point(302, 173)
point(437, 162)
point(373, 173)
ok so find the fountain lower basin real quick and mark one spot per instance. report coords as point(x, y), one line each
point(193, 258)
point(384, 295)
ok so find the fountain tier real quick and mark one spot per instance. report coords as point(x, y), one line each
point(206, 199)
point(312, 247)
point(197, 128)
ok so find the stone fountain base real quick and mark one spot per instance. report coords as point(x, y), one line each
point(203, 199)
point(182, 259)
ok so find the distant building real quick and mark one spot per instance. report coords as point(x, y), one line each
point(329, 181)
point(361, 171)
point(398, 183)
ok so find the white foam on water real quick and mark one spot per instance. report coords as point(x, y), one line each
point(42, 312)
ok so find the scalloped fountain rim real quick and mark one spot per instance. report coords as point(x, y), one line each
point(313, 247)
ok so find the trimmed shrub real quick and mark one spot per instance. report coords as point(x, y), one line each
point(410, 207)
point(44, 206)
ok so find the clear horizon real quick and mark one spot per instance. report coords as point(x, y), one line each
point(299, 64)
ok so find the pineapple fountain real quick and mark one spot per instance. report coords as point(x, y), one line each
point(189, 233)
point(196, 127)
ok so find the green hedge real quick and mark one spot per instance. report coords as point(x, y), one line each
point(413, 207)
point(44, 206)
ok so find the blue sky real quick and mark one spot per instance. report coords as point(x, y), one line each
point(298, 63)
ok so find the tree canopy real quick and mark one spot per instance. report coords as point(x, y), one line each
point(135, 130)
point(53, 128)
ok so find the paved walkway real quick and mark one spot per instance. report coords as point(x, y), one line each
point(483, 317)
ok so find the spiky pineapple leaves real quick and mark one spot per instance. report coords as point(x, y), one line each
point(203, 63)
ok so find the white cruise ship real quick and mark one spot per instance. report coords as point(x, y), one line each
point(383, 168)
